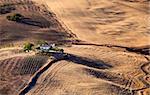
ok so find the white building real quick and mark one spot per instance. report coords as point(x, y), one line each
point(47, 48)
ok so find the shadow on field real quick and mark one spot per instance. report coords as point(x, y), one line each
point(29, 21)
point(67, 57)
point(81, 60)
point(88, 62)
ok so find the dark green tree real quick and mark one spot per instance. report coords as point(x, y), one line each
point(42, 42)
point(28, 46)
point(15, 17)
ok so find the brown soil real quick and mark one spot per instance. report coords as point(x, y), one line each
point(16, 71)
point(107, 48)
point(38, 24)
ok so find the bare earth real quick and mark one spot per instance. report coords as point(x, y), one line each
point(105, 21)
point(38, 24)
point(107, 42)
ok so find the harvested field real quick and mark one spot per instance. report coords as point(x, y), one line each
point(105, 42)
point(93, 72)
point(116, 22)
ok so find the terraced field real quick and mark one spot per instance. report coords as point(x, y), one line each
point(15, 72)
point(95, 71)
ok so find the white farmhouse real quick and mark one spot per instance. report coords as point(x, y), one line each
point(45, 47)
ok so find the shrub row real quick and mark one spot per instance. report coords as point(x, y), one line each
point(15, 17)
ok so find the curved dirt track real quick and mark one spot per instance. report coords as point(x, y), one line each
point(108, 52)
point(86, 73)
point(113, 26)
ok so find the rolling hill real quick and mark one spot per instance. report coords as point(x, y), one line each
point(105, 42)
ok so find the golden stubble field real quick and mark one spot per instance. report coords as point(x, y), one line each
point(118, 22)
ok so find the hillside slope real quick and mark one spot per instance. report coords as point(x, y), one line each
point(107, 51)
point(117, 22)
point(37, 23)
point(95, 71)
point(104, 67)
point(16, 69)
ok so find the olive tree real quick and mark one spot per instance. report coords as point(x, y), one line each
point(28, 46)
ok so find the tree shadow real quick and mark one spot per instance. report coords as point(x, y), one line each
point(29, 21)
point(68, 57)
point(83, 60)
point(88, 62)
